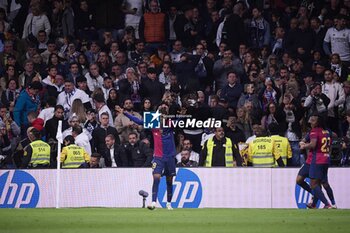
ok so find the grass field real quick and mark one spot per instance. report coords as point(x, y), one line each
point(98, 220)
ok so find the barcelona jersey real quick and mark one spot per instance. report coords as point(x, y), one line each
point(321, 153)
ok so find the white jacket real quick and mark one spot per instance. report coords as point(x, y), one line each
point(83, 141)
point(335, 92)
point(34, 24)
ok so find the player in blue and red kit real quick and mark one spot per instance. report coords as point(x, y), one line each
point(304, 173)
point(319, 157)
point(163, 157)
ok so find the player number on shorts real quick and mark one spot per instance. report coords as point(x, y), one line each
point(325, 145)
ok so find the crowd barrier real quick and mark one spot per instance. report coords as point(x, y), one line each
point(193, 188)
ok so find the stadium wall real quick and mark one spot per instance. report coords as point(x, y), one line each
point(193, 188)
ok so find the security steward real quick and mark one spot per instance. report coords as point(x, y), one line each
point(219, 151)
point(37, 153)
point(282, 143)
point(263, 151)
point(73, 156)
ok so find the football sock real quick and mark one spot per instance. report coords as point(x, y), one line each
point(305, 186)
point(155, 189)
point(330, 194)
point(169, 190)
point(319, 194)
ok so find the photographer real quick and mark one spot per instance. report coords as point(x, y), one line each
point(317, 102)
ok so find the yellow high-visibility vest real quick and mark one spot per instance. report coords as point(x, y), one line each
point(263, 152)
point(40, 153)
point(228, 153)
point(74, 156)
point(283, 147)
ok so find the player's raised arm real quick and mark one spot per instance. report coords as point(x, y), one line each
point(131, 117)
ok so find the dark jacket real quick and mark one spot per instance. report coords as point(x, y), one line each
point(119, 157)
point(98, 138)
point(152, 89)
point(232, 94)
point(234, 32)
point(51, 127)
point(125, 89)
point(138, 155)
point(235, 135)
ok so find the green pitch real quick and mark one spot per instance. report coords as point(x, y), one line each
point(102, 220)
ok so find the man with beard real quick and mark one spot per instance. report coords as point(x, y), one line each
point(185, 160)
point(124, 125)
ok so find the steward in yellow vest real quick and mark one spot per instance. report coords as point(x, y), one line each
point(281, 142)
point(73, 156)
point(219, 151)
point(37, 153)
point(263, 152)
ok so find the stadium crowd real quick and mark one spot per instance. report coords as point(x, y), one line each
point(250, 64)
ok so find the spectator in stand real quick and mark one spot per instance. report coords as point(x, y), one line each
point(27, 76)
point(335, 92)
point(317, 102)
point(137, 152)
point(84, 22)
point(99, 134)
point(232, 91)
point(27, 101)
point(10, 94)
point(95, 160)
point(36, 21)
point(101, 107)
point(258, 29)
point(124, 125)
point(232, 131)
point(93, 77)
point(151, 87)
point(69, 94)
point(81, 138)
point(337, 40)
point(137, 55)
point(223, 66)
point(154, 27)
point(187, 145)
point(185, 160)
point(114, 155)
point(177, 51)
point(234, 28)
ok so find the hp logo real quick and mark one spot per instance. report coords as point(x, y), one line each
point(302, 197)
point(187, 190)
point(18, 189)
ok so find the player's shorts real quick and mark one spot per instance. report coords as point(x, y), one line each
point(164, 166)
point(319, 171)
point(305, 170)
